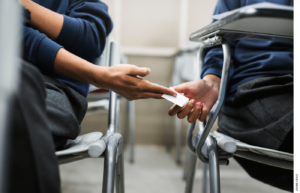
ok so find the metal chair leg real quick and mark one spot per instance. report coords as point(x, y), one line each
point(118, 116)
point(169, 134)
point(120, 172)
point(178, 125)
point(214, 170)
point(186, 164)
point(110, 161)
point(204, 182)
point(131, 126)
point(191, 173)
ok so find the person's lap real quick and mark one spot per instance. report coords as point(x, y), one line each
point(32, 162)
point(261, 113)
point(65, 111)
point(44, 115)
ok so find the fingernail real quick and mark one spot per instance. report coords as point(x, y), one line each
point(203, 104)
point(193, 101)
point(174, 95)
point(198, 103)
point(149, 70)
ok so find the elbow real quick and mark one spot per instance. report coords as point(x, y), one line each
point(91, 48)
point(94, 42)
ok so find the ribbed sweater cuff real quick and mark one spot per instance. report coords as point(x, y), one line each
point(70, 31)
point(46, 53)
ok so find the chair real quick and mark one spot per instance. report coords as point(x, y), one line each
point(109, 147)
point(214, 149)
point(100, 100)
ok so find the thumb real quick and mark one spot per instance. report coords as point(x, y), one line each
point(137, 71)
point(182, 88)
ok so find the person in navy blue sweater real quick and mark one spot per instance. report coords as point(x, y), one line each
point(258, 107)
point(61, 40)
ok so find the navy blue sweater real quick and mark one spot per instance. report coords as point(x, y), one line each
point(86, 25)
point(250, 59)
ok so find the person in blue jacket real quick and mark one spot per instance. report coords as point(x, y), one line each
point(258, 107)
point(61, 40)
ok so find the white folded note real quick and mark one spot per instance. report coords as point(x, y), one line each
point(179, 100)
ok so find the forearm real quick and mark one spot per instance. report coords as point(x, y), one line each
point(43, 19)
point(122, 79)
point(72, 66)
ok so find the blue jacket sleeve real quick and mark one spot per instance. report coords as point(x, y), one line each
point(39, 49)
point(213, 60)
point(86, 25)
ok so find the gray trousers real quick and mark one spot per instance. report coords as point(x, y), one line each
point(65, 109)
point(260, 113)
point(44, 114)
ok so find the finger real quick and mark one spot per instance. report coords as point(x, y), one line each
point(193, 116)
point(174, 110)
point(138, 71)
point(186, 109)
point(182, 88)
point(156, 88)
point(205, 111)
point(151, 95)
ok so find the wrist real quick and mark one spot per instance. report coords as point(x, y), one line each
point(99, 75)
point(213, 80)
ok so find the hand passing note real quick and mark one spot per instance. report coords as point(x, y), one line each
point(202, 94)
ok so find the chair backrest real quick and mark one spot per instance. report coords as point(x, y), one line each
point(185, 65)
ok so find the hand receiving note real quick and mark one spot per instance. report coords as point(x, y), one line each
point(203, 94)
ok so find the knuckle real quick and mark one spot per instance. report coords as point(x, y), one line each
point(130, 69)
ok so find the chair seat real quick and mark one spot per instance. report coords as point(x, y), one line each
point(80, 144)
point(231, 145)
point(102, 104)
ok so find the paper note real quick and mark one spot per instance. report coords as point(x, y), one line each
point(264, 5)
point(179, 100)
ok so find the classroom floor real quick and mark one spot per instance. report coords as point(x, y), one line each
point(154, 171)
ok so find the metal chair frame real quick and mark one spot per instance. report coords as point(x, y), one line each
point(109, 147)
point(206, 146)
point(102, 101)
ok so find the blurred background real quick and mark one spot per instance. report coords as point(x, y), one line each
point(151, 33)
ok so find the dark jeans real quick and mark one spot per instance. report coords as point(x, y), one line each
point(43, 114)
point(260, 113)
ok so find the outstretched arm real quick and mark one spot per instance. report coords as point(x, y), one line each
point(122, 79)
point(50, 56)
point(203, 94)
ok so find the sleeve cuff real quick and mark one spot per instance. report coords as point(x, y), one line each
point(45, 54)
point(211, 70)
point(70, 31)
